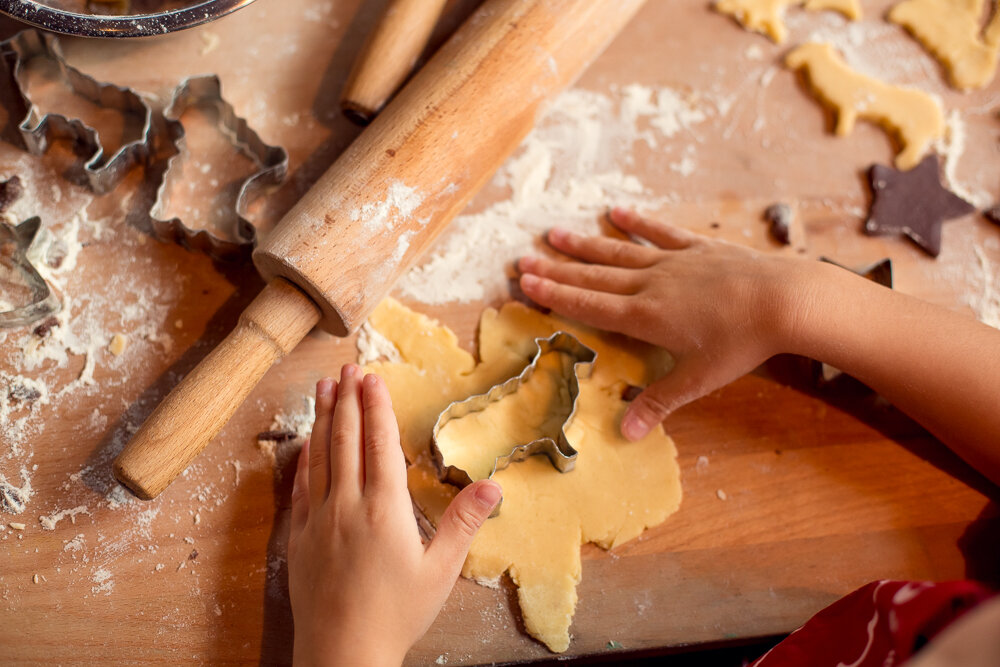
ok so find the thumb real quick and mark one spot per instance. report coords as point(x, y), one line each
point(460, 523)
point(655, 403)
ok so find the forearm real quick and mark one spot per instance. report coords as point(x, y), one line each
point(939, 367)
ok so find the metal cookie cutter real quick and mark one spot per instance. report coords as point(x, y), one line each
point(14, 244)
point(560, 453)
point(37, 130)
point(272, 166)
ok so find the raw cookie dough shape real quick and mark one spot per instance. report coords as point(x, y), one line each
point(526, 415)
point(952, 30)
point(766, 16)
point(617, 489)
point(912, 117)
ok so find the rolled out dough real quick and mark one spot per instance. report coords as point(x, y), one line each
point(952, 30)
point(912, 117)
point(616, 490)
point(766, 16)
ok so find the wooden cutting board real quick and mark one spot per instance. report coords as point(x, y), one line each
point(793, 495)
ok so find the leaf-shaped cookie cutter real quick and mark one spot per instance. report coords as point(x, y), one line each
point(36, 130)
point(44, 302)
point(559, 452)
point(271, 161)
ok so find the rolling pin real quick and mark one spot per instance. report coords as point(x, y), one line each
point(375, 211)
point(388, 56)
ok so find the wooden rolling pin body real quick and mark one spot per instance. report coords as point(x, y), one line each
point(388, 56)
point(382, 203)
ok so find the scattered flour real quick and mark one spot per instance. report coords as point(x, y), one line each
point(52, 520)
point(373, 346)
point(871, 46)
point(299, 421)
point(566, 172)
point(21, 400)
point(105, 583)
point(14, 499)
point(986, 302)
point(78, 543)
point(666, 109)
point(58, 361)
point(382, 216)
point(951, 148)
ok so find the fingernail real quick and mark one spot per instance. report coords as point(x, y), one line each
point(527, 263)
point(324, 387)
point(634, 427)
point(349, 370)
point(369, 381)
point(488, 494)
point(530, 281)
point(557, 234)
point(619, 215)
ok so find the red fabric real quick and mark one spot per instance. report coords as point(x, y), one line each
point(878, 625)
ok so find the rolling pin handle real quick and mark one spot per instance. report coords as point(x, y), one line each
point(388, 57)
point(200, 405)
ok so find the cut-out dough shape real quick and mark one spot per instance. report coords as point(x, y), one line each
point(912, 117)
point(952, 30)
point(538, 409)
point(767, 16)
point(616, 490)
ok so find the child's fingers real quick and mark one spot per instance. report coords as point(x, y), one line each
point(459, 525)
point(319, 452)
point(346, 475)
point(598, 309)
point(385, 467)
point(609, 279)
point(300, 491)
point(664, 235)
point(677, 388)
point(602, 250)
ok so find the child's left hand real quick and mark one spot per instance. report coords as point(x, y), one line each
point(363, 587)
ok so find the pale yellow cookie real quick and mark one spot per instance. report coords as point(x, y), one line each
point(912, 117)
point(767, 16)
point(952, 30)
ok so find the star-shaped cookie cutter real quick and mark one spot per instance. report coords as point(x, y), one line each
point(271, 161)
point(14, 244)
point(559, 452)
point(37, 130)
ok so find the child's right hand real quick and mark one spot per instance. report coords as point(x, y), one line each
point(719, 309)
point(363, 588)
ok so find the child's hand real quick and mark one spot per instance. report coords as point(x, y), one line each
point(720, 309)
point(363, 587)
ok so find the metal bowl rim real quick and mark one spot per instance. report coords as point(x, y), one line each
point(131, 25)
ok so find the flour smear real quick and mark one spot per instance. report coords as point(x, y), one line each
point(566, 173)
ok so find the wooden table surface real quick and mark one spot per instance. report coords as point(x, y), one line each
point(824, 489)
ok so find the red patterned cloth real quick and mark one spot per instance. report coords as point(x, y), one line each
point(879, 625)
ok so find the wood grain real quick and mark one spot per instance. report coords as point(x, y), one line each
point(826, 489)
point(200, 405)
point(388, 56)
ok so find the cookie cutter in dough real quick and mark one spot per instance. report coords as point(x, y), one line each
point(36, 130)
point(14, 244)
point(559, 452)
point(271, 161)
